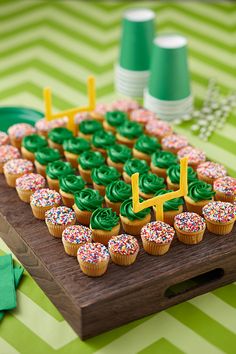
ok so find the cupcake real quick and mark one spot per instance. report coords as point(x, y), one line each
point(100, 111)
point(57, 136)
point(58, 219)
point(174, 143)
point(125, 105)
point(43, 126)
point(171, 207)
point(102, 140)
point(195, 156)
point(42, 200)
point(132, 166)
point(4, 138)
point(114, 120)
point(104, 224)
point(87, 161)
point(93, 259)
point(189, 227)
point(158, 128)
point(173, 176)
point(142, 116)
point(88, 127)
point(225, 189)
point(86, 201)
point(73, 147)
point(16, 168)
point(18, 131)
point(102, 176)
point(31, 144)
point(133, 222)
point(220, 217)
point(7, 152)
point(116, 193)
point(128, 133)
point(44, 157)
point(75, 236)
point(209, 171)
point(145, 146)
point(27, 184)
point(156, 237)
point(161, 160)
point(56, 170)
point(199, 194)
point(69, 185)
point(118, 154)
point(149, 184)
point(123, 249)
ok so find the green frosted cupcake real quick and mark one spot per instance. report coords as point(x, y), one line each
point(55, 170)
point(73, 147)
point(44, 157)
point(57, 136)
point(161, 160)
point(200, 193)
point(116, 193)
point(132, 166)
point(87, 161)
point(104, 224)
point(171, 208)
point(102, 176)
point(113, 120)
point(88, 127)
point(145, 146)
point(31, 144)
point(102, 140)
point(173, 176)
point(69, 185)
point(149, 184)
point(128, 133)
point(118, 154)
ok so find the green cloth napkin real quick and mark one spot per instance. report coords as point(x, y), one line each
point(7, 283)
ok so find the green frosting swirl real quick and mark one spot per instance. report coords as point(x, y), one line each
point(200, 190)
point(58, 169)
point(59, 135)
point(130, 130)
point(172, 204)
point(164, 159)
point(89, 126)
point(91, 159)
point(103, 139)
point(47, 155)
point(147, 144)
point(126, 210)
point(135, 165)
point(71, 184)
point(118, 191)
point(34, 142)
point(119, 153)
point(104, 219)
point(104, 175)
point(76, 145)
point(116, 118)
point(173, 173)
point(88, 199)
point(149, 183)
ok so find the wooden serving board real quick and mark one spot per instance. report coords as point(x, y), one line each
point(123, 294)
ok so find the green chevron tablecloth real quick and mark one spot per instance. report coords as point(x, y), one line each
point(57, 44)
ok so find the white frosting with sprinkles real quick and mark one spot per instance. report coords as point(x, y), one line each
point(225, 185)
point(4, 139)
point(211, 169)
point(45, 197)
point(194, 155)
point(93, 253)
point(8, 152)
point(77, 234)
point(30, 182)
point(20, 130)
point(158, 232)
point(18, 166)
point(61, 215)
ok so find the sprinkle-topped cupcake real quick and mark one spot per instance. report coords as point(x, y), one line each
point(44, 157)
point(57, 169)
point(132, 166)
point(118, 154)
point(161, 161)
point(43, 200)
point(129, 132)
point(18, 131)
point(16, 168)
point(116, 193)
point(27, 184)
point(209, 171)
point(69, 185)
point(104, 224)
point(142, 116)
point(149, 184)
point(87, 161)
point(225, 189)
point(57, 136)
point(7, 152)
point(125, 105)
point(189, 227)
point(220, 217)
point(199, 194)
point(93, 259)
point(173, 176)
point(174, 143)
point(158, 128)
point(145, 146)
point(57, 219)
point(75, 236)
point(88, 127)
point(171, 207)
point(102, 140)
point(102, 176)
point(44, 126)
point(113, 120)
point(195, 156)
point(31, 144)
point(157, 237)
point(123, 249)
point(4, 138)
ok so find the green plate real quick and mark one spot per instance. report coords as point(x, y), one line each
point(13, 115)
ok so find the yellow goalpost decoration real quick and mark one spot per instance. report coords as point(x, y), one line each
point(159, 200)
point(70, 113)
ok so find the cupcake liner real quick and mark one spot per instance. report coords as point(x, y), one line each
point(53, 183)
point(220, 228)
point(15, 142)
point(67, 198)
point(28, 155)
point(205, 178)
point(56, 146)
point(171, 185)
point(224, 197)
point(71, 248)
point(24, 195)
point(123, 260)
point(1, 167)
point(72, 158)
point(56, 230)
point(100, 188)
point(189, 238)
point(83, 216)
point(11, 179)
point(126, 177)
point(108, 127)
point(123, 140)
point(93, 270)
point(133, 227)
point(103, 236)
point(115, 206)
point(41, 169)
point(102, 151)
point(39, 212)
point(161, 172)
point(118, 165)
point(85, 174)
point(85, 136)
point(195, 207)
point(96, 116)
point(141, 156)
point(154, 248)
point(173, 150)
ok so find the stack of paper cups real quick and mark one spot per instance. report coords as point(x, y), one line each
point(168, 93)
point(132, 71)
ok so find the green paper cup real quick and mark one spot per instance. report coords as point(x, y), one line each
point(137, 37)
point(169, 78)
